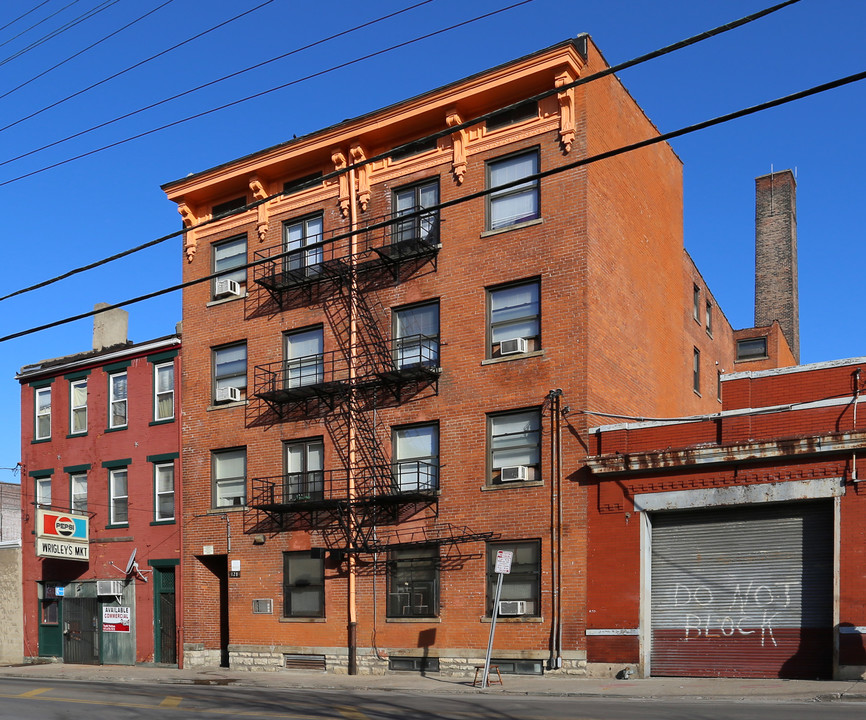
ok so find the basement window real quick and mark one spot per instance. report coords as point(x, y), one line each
point(414, 664)
point(752, 348)
point(518, 667)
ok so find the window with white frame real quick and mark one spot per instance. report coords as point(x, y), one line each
point(42, 397)
point(416, 336)
point(518, 203)
point(522, 585)
point(303, 244)
point(230, 372)
point(118, 411)
point(415, 456)
point(414, 199)
point(118, 496)
point(514, 319)
point(163, 491)
point(304, 470)
point(229, 260)
point(229, 477)
point(163, 391)
point(305, 360)
point(78, 406)
point(413, 582)
point(78, 491)
point(696, 371)
point(304, 583)
point(43, 491)
point(514, 442)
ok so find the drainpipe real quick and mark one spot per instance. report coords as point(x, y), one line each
point(555, 397)
point(856, 400)
point(350, 480)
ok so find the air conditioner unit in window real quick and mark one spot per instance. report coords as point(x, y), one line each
point(514, 473)
point(109, 587)
point(512, 607)
point(226, 288)
point(228, 394)
point(512, 346)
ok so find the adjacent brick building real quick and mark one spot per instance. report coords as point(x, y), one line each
point(393, 391)
point(100, 463)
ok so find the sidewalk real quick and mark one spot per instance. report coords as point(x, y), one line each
point(762, 690)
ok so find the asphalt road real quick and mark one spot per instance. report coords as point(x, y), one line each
point(25, 699)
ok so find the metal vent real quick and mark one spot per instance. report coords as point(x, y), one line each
point(304, 662)
point(263, 606)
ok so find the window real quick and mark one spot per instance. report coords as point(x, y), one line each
point(301, 234)
point(515, 204)
point(752, 348)
point(523, 582)
point(304, 471)
point(78, 491)
point(50, 612)
point(416, 457)
point(719, 385)
point(417, 227)
point(305, 360)
point(77, 406)
point(708, 319)
point(43, 413)
point(696, 371)
point(413, 582)
point(416, 333)
point(230, 371)
point(117, 389)
point(304, 584)
point(230, 477)
point(302, 183)
point(118, 497)
point(514, 325)
point(229, 258)
point(515, 446)
point(43, 491)
point(696, 304)
point(163, 493)
point(163, 391)
point(413, 148)
point(524, 111)
point(228, 207)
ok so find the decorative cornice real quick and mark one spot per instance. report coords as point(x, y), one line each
point(566, 110)
point(339, 160)
point(358, 156)
point(190, 244)
point(260, 193)
point(458, 143)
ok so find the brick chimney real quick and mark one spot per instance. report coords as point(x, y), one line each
point(109, 327)
point(776, 293)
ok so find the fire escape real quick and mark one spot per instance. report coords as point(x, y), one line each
point(360, 505)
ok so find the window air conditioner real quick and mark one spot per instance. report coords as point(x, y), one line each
point(109, 587)
point(226, 288)
point(228, 394)
point(512, 346)
point(513, 473)
point(512, 607)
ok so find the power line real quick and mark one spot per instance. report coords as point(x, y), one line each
point(581, 81)
point(258, 94)
point(36, 24)
point(133, 66)
point(204, 85)
point(815, 90)
point(24, 15)
point(89, 47)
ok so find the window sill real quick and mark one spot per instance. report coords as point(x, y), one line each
point(173, 521)
point(223, 301)
point(510, 358)
point(220, 406)
point(413, 620)
point(508, 485)
point(303, 620)
point(120, 526)
point(745, 360)
point(160, 422)
point(509, 228)
point(519, 619)
point(117, 429)
point(40, 440)
point(226, 508)
point(75, 435)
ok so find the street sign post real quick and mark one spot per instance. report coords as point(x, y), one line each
point(502, 567)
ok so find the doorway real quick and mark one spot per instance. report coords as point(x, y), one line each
point(80, 631)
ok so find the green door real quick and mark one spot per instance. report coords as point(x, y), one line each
point(165, 618)
point(50, 627)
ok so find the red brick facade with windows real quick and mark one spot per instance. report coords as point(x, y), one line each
point(785, 438)
point(603, 253)
point(112, 459)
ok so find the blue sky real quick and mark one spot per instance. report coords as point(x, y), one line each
point(91, 208)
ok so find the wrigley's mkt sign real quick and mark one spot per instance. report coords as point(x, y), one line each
point(62, 535)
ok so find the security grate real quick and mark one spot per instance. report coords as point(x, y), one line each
point(304, 662)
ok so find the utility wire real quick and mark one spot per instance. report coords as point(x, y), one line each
point(815, 90)
point(63, 28)
point(24, 15)
point(36, 24)
point(134, 66)
point(89, 47)
point(581, 81)
point(205, 85)
point(254, 96)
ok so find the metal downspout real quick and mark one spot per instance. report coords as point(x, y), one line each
point(351, 489)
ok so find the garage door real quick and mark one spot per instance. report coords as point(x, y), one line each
point(743, 592)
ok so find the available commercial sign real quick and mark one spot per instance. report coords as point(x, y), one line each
point(116, 619)
point(62, 535)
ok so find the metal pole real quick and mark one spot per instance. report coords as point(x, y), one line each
point(492, 630)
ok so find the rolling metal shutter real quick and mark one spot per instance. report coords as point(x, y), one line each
point(743, 592)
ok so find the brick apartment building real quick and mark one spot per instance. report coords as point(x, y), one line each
point(100, 458)
point(740, 539)
point(393, 392)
